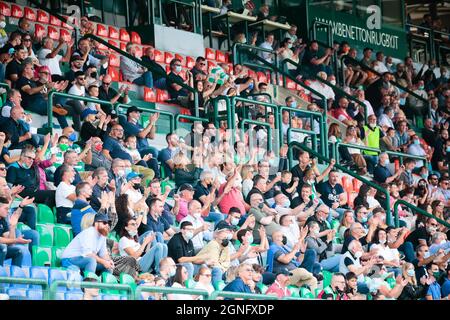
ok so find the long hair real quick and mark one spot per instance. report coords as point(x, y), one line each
point(123, 212)
point(179, 275)
point(124, 233)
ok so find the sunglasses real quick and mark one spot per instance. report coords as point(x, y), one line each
point(2, 169)
point(106, 83)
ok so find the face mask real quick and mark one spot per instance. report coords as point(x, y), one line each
point(448, 149)
point(229, 236)
point(251, 86)
point(294, 104)
point(132, 233)
point(127, 171)
point(431, 229)
point(189, 235)
point(137, 186)
point(311, 182)
point(178, 69)
point(25, 166)
point(383, 241)
point(287, 203)
point(197, 215)
point(333, 82)
point(436, 274)
point(425, 175)
point(2, 25)
point(172, 272)
point(234, 221)
point(121, 173)
point(225, 242)
point(426, 255)
point(98, 148)
point(250, 240)
point(358, 254)
point(372, 125)
point(243, 40)
point(284, 240)
point(290, 45)
point(261, 205)
point(94, 75)
point(315, 233)
point(386, 162)
point(411, 272)
point(443, 242)
point(73, 137)
point(421, 87)
point(63, 147)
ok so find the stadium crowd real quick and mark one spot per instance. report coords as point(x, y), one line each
point(235, 217)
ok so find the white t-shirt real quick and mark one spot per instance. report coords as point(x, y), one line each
point(124, 243)
point(77, 91)
point(62, 191)
point(51, 63)
point(387, 253)
point(134, 195)
point(323, 89)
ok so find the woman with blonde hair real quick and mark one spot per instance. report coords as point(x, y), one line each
point(413, 290)
point(352, 137)
point(184, 174)
point(247, 173)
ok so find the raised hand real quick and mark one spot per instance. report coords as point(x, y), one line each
point(112, 185)
point(47, 138)
point(303, 232)
point(104, 200)
point(154, 117)
point(176, 197)
point(147, 157)
point(16, 190)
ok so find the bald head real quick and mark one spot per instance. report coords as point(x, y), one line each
point(17, 113)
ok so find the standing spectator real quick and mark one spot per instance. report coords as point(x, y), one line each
point(87, 251)
point(311, 61)
point(77, 89)
point(106, 93)
point(201, 231)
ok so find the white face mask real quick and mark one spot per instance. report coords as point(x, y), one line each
point(234, 221)
point(383, 241)
point(333, 82)
point(229, 236)
point(443, 241)
point(121, 173)
point(250, 239)
point(358, 254)
point(189, 235)
point(2, 25)
point(197, 215)
point(132, 233)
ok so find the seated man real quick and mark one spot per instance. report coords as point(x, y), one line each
point(381, 173)
point(134, 72)
point(81, 206)
point(158, 78)
point(181, 247)
point(106, 93)
point(177, 92)
point(19, 133)
point(87, 251)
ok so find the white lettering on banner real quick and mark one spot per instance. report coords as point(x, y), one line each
point(373, 37)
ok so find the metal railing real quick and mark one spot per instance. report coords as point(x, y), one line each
point(311, 134)
point(151, 111)
point(418, 210)
point(433, 43)
point(347, 171)
point(169, 290)
point(238, 295)
point(187, 117)
point(92, 285)
point(237, 56)
point(258, 123)
point(229, 111)
point(28, 281)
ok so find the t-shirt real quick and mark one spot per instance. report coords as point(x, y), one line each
point(133, 129)
point(328, 193)
point(62, 191)
point(178, 247)
point(419, 233)
point(446, 288)
point(172, 92)
point(381, 173)
point(87, 242)
point(434, 290)
point(27, 99)
point(3, 226)
point(233, 198)
point(80, 208)
point(116, 150)
point(159, 225)
point(237, 285)
point(124, 243)
point(200, 191)
point(163, 156)
point(51, 63)
point(13, 67)
point(77, 91)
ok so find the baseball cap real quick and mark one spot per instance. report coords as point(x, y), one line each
point(133, 109)
point(186, 186)
point(284, 271)
point(101, 217)
point(75, 57)
point(224, 228)
point(87, 112)
point(133, 175)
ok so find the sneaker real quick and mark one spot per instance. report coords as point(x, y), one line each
point(58, 109)
point(319, 277)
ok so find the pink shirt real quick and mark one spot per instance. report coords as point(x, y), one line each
point(278, 290)
point(183, 210)
point(233, 198)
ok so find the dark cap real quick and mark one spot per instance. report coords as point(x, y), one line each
point(284, 271)
point(133, 109)
point(186, 186)
point(224, 228)
point(101, 217)
point(75, 57)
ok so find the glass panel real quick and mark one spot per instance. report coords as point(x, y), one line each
point(392, 12)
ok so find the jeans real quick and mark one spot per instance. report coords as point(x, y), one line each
point(83, 263)
point(152, 257)
point(32, 235)
point(145, 79)
point(37, 139)
point(331, 264)
point(160, 83)
point(13, 252)
point(216, 275)
point(214, 217)
point(309, 262)
point(158, 239)
point(408, 249)
point(191, 268)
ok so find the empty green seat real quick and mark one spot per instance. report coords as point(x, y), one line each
point(262, 287)
point(125, 278)
point(56, 256)
point(45, 214)
point(110, 279)
point(62, 235)
point(326, 278)
point(41, 256)
point(45, 234)
point(22, 227)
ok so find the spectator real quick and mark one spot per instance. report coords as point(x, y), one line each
point(81, 206)
point(336, 290)
point(382, 174)
point(434, 289)
point(148, 58)
point(332, 193)
point(154, 223)
point(311, 61)
point(182, 174)
point(180, 278)
point(18, 132)
point(70, 159)
point(15, 67)
point(242, 281)
point(203, 279)
point(201, 231)
point(48, 56)
point(87, 251)
point(84, 50)
point(65, 194)
point(199, 71)
point(323, 89)
point(325, 252)
point(166, 155)
point(106, 93)
point(177, 93)
point(341, 113)
point(94, 125)
point(77, 106)
point(413, 290)
point(134, 72)
point(181, 248)
point(112, 148)
point(385, 121)
point(416, 106)
point(268, 45)
point(279, 287)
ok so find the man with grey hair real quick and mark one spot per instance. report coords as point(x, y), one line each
point(381, 173)
point(322, 88)
point(117, 174)
point(320, 216)
point(70, 159)
point(18, 131)
point(439, 241)
point(262, 217)
point(201, 228)
point(48, 56)
point(385, 120)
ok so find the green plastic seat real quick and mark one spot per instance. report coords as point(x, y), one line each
point(56, 256)
point(125, 278)
point(45, 234)
point(45, 214)
point(263, 288)
point(326, 278)
point(89, 274)
point(219, 285)
point(22, 227)
point(165, 183)
point(190, 283)
point(110, 279)
point(62, 235)
point(306, 293)
point(41, 256)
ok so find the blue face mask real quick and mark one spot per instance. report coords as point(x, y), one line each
point(73, 137)
point(251, 86)
point(178, 69)
point(386, 162)
point(448, 149)
point(364, 219)
point(294, 104)
point(416, 142)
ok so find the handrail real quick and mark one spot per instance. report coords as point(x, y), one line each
point(406, 155)
point(126, 54)
point(312, 134)
point(259, 123)
point(230, 117)
point(239, 295)
point(426, 29)
point(236, 54)
point(187, 117)
point(94, 285)
point(71, 97)
point(322, 97)
point(167, 113)
point(395, 83)
point(260, 103)
point(39, 282)
point(413, 207)
point(260, 94)
point(168, 290)
point(347, 171)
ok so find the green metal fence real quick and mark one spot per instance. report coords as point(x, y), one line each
point(27, 281)
point(238, 295)
point(416, 209)
point(93, 285)
point(169, 290)
point(258, 123)
point(151, 111)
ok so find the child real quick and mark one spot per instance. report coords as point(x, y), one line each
point(289, 186)
point(139, 164)
point(93, 91)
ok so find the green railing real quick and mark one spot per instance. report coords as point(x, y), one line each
point(28, 281)
point(366, 148)
point(168, 290)
point(151, 111)
point(52, 94)
point(418, 210)
point(238, 295)
point(229, 115)
point(278, 70)
point(187, 117)
point(395, 83)
point(6, 86)
point(311, 134)
point(266, 105)
point(237, 56)
point(347, 171)
point(262, 94)
point(92, 285)
point(258, 123)
point(434, 45)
